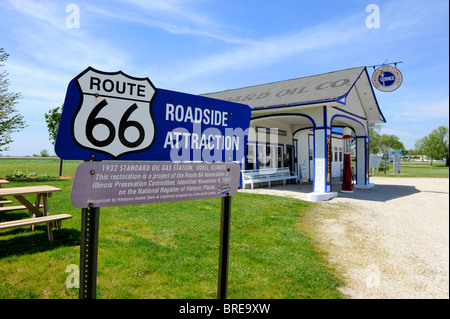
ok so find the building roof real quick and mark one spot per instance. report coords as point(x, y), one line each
point(332, 88)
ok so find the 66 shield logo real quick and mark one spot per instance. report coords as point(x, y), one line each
point(114, 115)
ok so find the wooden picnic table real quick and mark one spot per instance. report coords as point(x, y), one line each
point(42, 192)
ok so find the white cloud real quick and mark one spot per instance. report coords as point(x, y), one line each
point(41, 34)
point(422, 111)
point(180, 10)
point(174, 16)
point(256, 53)
point(409, 14)
point(413, 120)
point(39, 11)
point(50, 54)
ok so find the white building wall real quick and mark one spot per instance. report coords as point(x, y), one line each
point(353, 104)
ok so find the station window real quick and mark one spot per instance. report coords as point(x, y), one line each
point(279, 156)
point(270, 156)
point(262, 156)
point(251, 156)
point(267, 157)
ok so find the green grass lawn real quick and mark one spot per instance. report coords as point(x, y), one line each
point(38, 166)
point(418, 169)
point(167, 250)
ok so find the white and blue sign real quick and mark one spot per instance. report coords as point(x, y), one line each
point(387, 78)
point(397, 155)
point(111, 116)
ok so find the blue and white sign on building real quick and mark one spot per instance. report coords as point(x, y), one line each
point(110, 116)
point(387, 78)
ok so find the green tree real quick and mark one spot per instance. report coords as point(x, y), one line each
point(44, 153)
point(53, 117)
point(374, 138)
point(435, 145)
point(392, 142)
point(10, 121)
point(383, 143)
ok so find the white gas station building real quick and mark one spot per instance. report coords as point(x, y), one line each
point(298, 124)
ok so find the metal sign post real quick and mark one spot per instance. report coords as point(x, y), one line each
point(385, 158)
point(225, 218)
point(89, 252)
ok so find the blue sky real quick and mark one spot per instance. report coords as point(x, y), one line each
point(201, 46)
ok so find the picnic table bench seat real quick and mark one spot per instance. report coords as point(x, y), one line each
point(14, 208)
point(266, 175)
point(42, 192)
point(4, 201)
point(55, 221)
point(3, 181)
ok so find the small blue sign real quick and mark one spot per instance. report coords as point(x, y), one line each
point(111, 116)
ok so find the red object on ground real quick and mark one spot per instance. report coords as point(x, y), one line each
point(347, 178)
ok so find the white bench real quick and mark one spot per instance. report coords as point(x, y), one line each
point(266, 175)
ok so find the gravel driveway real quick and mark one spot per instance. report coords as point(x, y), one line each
point(391, 241)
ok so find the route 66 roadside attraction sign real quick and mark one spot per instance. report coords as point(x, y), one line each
point(111, 116)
